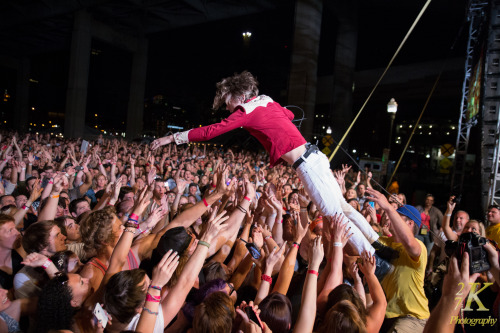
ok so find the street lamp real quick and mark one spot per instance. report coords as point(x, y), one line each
point(392, 108)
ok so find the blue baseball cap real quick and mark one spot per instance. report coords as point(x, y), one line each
point(410, 212)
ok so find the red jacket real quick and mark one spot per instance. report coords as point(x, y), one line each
point(265, 119)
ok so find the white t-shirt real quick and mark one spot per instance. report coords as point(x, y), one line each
point(159, 325)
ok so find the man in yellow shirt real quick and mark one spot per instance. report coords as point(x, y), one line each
point(493, 217)
point(407, 306)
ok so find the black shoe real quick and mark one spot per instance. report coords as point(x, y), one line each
point(385, 252)
point(382, 268)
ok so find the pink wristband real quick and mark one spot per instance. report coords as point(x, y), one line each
point(205, 202)
point(133, 216)
point(312, 272)
point(247, 198)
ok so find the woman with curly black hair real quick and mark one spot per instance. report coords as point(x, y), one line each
point(55, 309)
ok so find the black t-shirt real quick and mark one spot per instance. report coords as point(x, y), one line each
point(6, 280)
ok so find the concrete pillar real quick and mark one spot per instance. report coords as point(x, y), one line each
point(303, 73)
point(135, 110)
point(76, 95)
point(22, 107)
point(344, 65)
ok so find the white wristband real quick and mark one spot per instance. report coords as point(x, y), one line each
point(448, 215)
point(338, 244)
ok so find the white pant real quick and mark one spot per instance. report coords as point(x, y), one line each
point(325, 192)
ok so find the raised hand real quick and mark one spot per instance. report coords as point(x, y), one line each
point(165, 269)
point(214, 226)
point(316, 253)
point(340, 231)
point(368, 264)
point(299, 230)
point(275, 255)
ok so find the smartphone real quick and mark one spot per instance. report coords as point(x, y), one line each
point(100, 315)
point(78, 168)
point(253, 316)
point(371, 203)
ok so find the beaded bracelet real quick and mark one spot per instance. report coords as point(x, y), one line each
point(129, 230)
point(155, 287)
point(131, 225)
point(149, 311)
point(267, 278)
point(204, 243)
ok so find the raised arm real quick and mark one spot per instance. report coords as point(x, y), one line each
point(287, 268)
point(340, 235)
point(307, 312)
point(448, 232)
point(376, 311)
point(401, 229)
point(176, 297)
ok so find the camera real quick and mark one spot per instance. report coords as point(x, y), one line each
point(473, 244)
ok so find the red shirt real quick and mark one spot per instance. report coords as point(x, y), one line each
point(265, 119)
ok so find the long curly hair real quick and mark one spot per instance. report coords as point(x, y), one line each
point(54, 306)
point(96, 230)
point(243, 84)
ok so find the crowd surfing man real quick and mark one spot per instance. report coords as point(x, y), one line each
point(267, 121)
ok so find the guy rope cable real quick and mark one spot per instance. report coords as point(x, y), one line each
point(381, 77)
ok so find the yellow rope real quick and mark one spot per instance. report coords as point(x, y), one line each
point(381, 77)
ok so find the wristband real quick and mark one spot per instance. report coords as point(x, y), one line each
point(133, 220)
point(214, 186)
point(47, 263)
point(51, 182)
point(295, 244)
point(312, 272)
point(25, 207)
point(280, 222)
point(204, 243)
point(448, 215)
point(150, 298)
point(267, 237)
point(67, 175)
point(338, 244)
point(55, 196)
point(267, 278)
point(247, 198)
point(134, 216)
point(389, 235)
point(155, 287)
point(205, 203)
point(155, 297)
point(30, 163)
point(23, 168)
